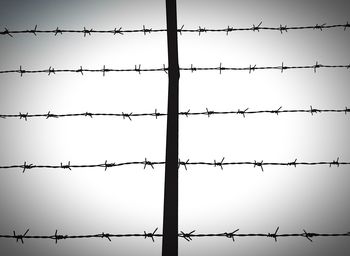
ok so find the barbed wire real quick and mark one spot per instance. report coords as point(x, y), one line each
point(81, 70)
point(144, 30)
point(84, 31)
point(221, 163)
point(138, 69)
point(156, 114)
point(259, 27)
point(186, 236)
point(253, 68)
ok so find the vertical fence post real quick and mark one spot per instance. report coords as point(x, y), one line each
point(170, 217)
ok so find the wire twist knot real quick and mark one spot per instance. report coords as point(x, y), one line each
point(150, 235)
point(219, 163)
point(20, 237)
point(259, 164)
point(57, 237)
point(183, 163)
point(66, 166)
point(146, 162)
point(187, 236)
point(256, 28)
point(335, 162)
point(274, 235)
point(231, 234)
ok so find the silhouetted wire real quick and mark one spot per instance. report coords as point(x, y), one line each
point(259, 27)
point(68, 166)
point(186, 236)
point(120, 31)
point(188, 113)
point(138, 69)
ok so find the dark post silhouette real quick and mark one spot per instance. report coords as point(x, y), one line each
point(170, 216)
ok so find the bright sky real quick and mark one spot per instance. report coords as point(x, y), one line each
point(130, 199)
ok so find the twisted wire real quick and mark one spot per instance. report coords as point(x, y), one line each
point(186, 236)
point(144, 30)
point(128, 116)
point(68, 166)
point(138, 69)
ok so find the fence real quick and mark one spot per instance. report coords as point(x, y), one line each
point(185, 164)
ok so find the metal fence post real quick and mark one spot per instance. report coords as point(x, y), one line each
point(170, 217)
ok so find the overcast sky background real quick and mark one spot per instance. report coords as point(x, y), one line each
point(130, 199)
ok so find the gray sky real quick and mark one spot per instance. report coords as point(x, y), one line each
point(130, 199)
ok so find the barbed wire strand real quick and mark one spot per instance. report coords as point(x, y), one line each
point(138, 69)
point(120, 31)
point(146, 163)
point(188, 113)
point(186, 236)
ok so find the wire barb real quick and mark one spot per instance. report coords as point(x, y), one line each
point(317, 66)
point(156, 114)
point(242, 112)
point(187, 113)
point(66, 166)
point(49, 115)
point(7, 32)
point(312, 110)
point(165, 69)
point(138, 69)
point(58, 237)
point(187, 236)
point(219, 163)
point(252, 68)
point(23, 116)
point(51, 70)
point(308, 235)
point(88, 114)
point(21, 71)
point(334, 162)
point(20, 237)
point(283, 28)
point(294, 163)
point(26, 166)
point(106, 235)
point(320, 27)
point(150, 235)
point(183, 163)
point(274, 235)
point(277, 111)
point(259, 164)
point(229, 29)
point(209, 112)
point(119, 31)
point(231, 234)
point(181, 29)
point(107, 165)
point(87, 32)
point(147, 163)
point(347, 25)
point(127, 115)
point(34, 30)
point(201, 30)
point(58, 31)
point(80, 70)
point(256, 28)
point(146, 30)
point(193, 68)
point(221, 68)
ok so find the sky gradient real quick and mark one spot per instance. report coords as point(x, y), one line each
point(130, 199)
